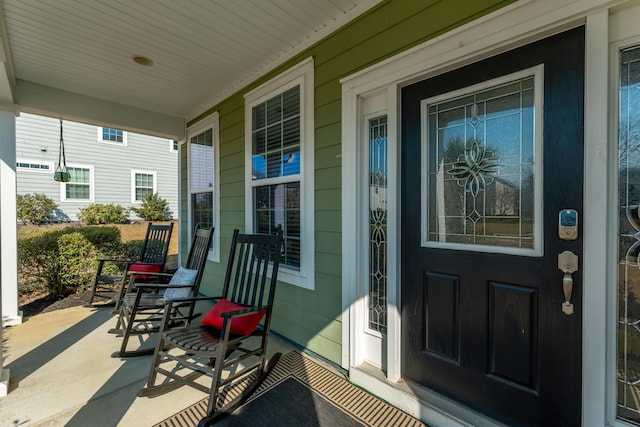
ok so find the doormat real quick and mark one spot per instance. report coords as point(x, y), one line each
point(299, 391)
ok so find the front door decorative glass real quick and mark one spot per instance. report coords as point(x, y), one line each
point(480, 158)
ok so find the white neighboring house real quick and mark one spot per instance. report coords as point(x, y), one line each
point(107, 165)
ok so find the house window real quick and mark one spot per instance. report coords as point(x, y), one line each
point(279, 143)
point(378, 234)
point(203, 178)
point(628, 350)
point(142, 184)
point(34, 166)
point(112, 136)
point(174, 146)
point(80, 186)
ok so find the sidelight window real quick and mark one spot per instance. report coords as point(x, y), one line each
point(628, 352)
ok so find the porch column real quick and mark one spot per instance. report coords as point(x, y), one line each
point(8, 220)
point(8, 234)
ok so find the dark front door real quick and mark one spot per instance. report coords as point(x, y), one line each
point(492, 160)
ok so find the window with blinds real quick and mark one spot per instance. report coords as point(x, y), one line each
point(279, 178)
point(275, 158)
point(201, 162)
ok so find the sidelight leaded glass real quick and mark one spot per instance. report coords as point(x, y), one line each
point(480, 161)
point(628, 366)
point(378, 224)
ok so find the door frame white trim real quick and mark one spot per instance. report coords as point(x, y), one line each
point(515, 25)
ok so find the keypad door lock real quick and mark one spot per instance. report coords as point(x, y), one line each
point(568, 224)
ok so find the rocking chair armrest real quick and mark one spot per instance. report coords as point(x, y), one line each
point(243, 312)
point(169, 301)
point(157, 286)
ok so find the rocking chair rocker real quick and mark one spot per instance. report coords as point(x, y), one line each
point(229, 339)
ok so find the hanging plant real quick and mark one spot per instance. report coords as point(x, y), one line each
point(61, 173)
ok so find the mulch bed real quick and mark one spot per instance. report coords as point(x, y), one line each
point(42, 304)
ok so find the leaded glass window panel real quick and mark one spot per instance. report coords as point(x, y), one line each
point(378, 224)
point(480, 162)
point(628, 360)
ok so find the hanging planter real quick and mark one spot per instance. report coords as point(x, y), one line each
point(61, 173)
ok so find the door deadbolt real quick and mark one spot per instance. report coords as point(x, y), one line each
point(568, 224)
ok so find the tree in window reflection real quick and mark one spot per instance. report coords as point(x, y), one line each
point(477, 203)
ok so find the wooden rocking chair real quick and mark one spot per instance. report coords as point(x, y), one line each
point(153, 256)
point(143, 304)
point(229, 339)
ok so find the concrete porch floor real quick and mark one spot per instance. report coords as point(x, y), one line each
point(62, 374)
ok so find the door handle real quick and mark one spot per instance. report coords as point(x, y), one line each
point(568, 264)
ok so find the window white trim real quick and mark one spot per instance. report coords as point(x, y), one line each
point(174, 148)
point(210, 122)
point(300, 74)
point(134, 172)
point(63, 188)
point(34, 162)
point(108, 141)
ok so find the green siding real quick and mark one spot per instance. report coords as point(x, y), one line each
point(313, 318)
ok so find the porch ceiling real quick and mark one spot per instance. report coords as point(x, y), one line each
point(202, 51)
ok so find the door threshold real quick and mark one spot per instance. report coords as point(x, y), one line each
point(424, 404)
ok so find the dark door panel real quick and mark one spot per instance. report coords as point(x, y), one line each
point(487, 328)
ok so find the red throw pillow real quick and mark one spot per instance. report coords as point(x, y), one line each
point(144, 268)
point(240, 325)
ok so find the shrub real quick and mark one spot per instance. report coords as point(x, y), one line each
point(77, 261)
point(105, 237)
point(153, 208)
point(34, 208)
point(65, 260)
point(101, 213)
point(38, 259)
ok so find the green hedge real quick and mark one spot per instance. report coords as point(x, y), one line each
point(64, 261)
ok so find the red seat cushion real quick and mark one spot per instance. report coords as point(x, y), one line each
point(244, 325)
point(143, 268)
